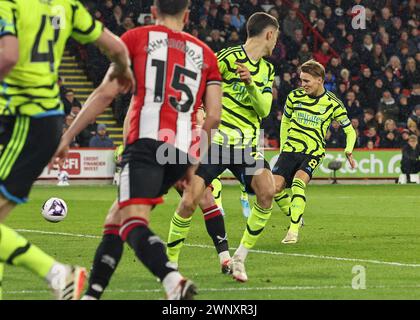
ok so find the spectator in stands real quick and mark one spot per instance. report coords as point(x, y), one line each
point(350, 60)
point(368, 120)
point(101, 139)
point(335, 137)
point(370, 145)
point(413, 122)
point(390, 136)
point(385, 19)
point(313, 17)
point(389, 79)
point(405, 110)
point(323, 56)
point(414, 98)
point(204, 29)
point(233, 40)
point(411, 73)
point(354, 109)
point(294, 44)
point(371, 135)
point(365, 50)
point(376, 93)
point(335, 67)
point(327, 16)
point(405, 134)
point(84, 137)
point(304, 54)
point(213, 19)
point(130, 8)
point(388, 106)
point(282, 9)
point(117, 18)
point(291, 23)
point(377, 60)
point(330, 82)
point(71, 101)
point(216, 42)
point(410, 162)
point(250, 7)
point(127, 24)
point(238, 20)
point(345, 78)
point(226, 27)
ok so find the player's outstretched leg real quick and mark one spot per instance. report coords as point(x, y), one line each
point(296, 209)
point(181, 221)
point(107, 256)
point(263, 185)
point(66, 281)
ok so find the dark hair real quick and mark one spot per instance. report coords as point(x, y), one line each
point(258, 22)
point(171, 7)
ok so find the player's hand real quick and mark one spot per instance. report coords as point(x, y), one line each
point(244, 73)
point(124, 77)
point(350, 159)
point(60, 155)
point(186, 180)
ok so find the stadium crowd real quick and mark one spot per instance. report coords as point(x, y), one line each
point(373, 70)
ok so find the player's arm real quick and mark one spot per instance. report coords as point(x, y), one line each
point(9, 44)
point(9, 54)
point(261, 101)
point(285, 121)
point(340, 115)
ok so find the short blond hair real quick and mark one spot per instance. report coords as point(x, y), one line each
point(413, 137)
point(314, 68)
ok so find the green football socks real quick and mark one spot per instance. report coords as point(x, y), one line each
point(255, 225)
point(178, 232)
point(298, 203)
point(283, 201)
point(16, 250)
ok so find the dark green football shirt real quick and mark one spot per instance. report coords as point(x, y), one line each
point(310, 118)
point(240, 123)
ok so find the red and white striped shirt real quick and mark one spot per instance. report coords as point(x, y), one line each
point(172, 70)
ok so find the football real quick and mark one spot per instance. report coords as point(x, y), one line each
point(54, 210)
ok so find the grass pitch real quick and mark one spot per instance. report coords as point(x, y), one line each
point(354, 237)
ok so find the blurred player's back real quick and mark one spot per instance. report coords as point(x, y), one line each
point(42, 28)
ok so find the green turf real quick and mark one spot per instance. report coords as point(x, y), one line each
point(367, 223)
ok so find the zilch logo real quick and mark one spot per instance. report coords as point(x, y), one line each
point(359, 17)
point(72, 163)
